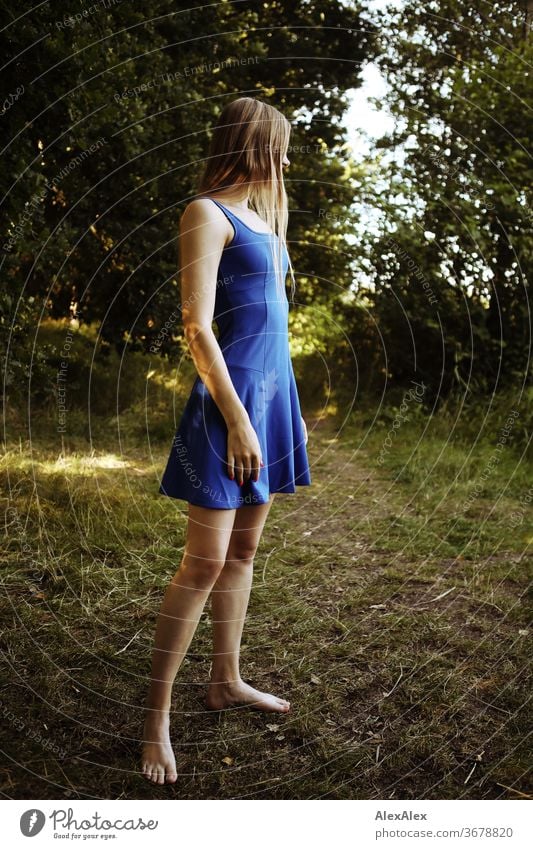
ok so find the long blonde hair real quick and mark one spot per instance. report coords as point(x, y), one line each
point(247, 148)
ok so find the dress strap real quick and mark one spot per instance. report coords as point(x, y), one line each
point(233, 220)
point(225, 210)
point(238, 222)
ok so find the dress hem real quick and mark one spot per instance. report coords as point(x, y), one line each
point(237, 506)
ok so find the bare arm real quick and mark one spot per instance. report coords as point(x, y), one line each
point(203, 234)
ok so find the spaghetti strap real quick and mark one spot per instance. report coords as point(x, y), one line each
point(232, 217)
point(233, 220)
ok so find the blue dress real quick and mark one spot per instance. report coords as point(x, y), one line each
point(252, 325)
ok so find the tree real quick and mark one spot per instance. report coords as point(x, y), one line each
point(107, 138)
point(456, 209)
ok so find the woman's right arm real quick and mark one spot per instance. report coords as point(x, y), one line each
point(201, 241)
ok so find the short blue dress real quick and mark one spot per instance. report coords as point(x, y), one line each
point(252, 324)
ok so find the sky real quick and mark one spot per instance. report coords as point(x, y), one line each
point(362, 120)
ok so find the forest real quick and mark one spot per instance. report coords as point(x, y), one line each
point(411, 341)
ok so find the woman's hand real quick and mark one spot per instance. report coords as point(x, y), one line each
point(244, 451)
point(305, 430)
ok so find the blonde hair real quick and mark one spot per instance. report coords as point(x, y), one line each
point(247, 148)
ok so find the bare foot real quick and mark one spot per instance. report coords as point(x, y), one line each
point(220, 696)
point(158, 763)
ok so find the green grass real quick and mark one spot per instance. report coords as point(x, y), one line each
point(393, 616)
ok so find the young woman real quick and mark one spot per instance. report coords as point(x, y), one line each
point(241, 437)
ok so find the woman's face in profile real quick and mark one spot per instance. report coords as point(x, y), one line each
point(285, 162)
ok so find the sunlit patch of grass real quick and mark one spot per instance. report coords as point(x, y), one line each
point(72, 464)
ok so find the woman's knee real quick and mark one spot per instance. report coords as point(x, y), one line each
point(199, 570)
point(240, 554)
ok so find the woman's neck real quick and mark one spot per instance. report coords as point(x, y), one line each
point(238, 201)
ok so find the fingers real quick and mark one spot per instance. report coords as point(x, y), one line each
point(246, 467)
point(231, 466)
point(244, 460)
point(255, 468)
point(240, 469)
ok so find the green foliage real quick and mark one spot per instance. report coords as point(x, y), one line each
point(450, 259)
point(108, 137)
point(107, 120)
point(81, 385)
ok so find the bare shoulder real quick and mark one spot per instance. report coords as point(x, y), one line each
point(204, 216)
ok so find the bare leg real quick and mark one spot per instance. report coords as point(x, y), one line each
point(208, 535)
point(229, 602)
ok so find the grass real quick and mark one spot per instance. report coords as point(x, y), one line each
point(386, 605)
